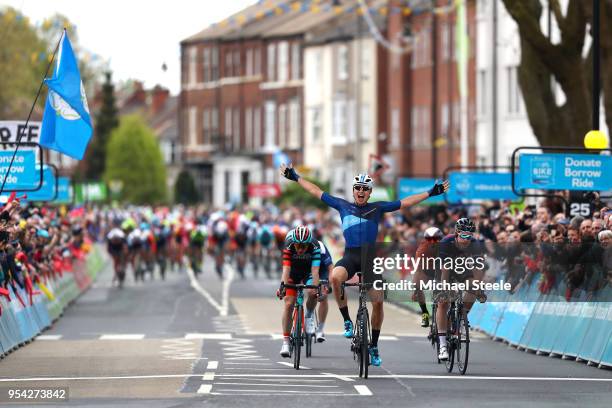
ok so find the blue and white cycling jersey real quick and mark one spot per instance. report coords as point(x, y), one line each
point(360, 223)
point(326, 258)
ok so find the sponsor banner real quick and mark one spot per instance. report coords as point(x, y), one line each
point(48, 190)
point(86, 192)
point(558, 171)
point(410, 186)
point(24, 173)
point(64, 190)
point(263, 190)
point(10, 130)
point(480, 186)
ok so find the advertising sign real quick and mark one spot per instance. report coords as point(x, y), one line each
point(560, 171)
point(409, 186)
point(24, 173)
point(263, 190)
point(64, 190)
point(10, 130)
point(480, 186)
point(85, 192)
point(48, 190)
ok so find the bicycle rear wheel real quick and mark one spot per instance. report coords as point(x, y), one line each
point(433, 334)
point(297, 337)
point(463, 345)
point(309, 345)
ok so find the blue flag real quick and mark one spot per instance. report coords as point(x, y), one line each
point(66, 125)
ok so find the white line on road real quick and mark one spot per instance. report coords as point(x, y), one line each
point(324, 375)
point(257, 369)
point(208, 376)
point(363, 390)
point(208, 336)
point(276, 385)
point(291, 365)
point(340, 377)
point(275, 394)
point(122, 337)
point(227, 283)
point(388, 338)
point(247, 363)
point(224, 306)
point(49, 337)
point(281, 391)
point(205, 389)
point(212, 365)
point(280, 381)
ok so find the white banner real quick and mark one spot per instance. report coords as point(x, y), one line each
point(10, 129)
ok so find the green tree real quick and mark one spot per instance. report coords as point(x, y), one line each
point(134, 158)
point(184, 189)
point(23, 60)
point(294, 194)
point(566, 63)
point(106, 120)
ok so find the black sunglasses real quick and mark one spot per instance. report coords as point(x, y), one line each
point(361, 188)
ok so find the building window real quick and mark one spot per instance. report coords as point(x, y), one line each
point(257, 62)
point(193, 133)
point(366, 122)
point(214, 124)
point(214, 75)
point(193, 60)
point(283, 61)
point(236, 134)
point(365, 60)
point(514, 90)
point(229, 64)
point(294, 124)
point(395, 127)
point(271, 62)
point(317, 123)
point(482, 92)
point(270, 123)
point(415, 51)
point(295, 60)
point(206, 59)
point(249, 62)
point(244, 186)
point(206, 127)
point(228, 127)
point(343, 62)
point(226, 185)
point(444, 120)
point(248, 128)
point(414, 113)
point(339, 124)
point(446, 42)
point(237, 63)
point(426, 126)
point(256, 128)
point(282, 126)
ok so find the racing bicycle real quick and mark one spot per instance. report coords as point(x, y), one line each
point(361, 330)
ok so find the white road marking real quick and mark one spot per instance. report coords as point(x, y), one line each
point(275, 394)
point(205, 389)
point(247, 363)
point(281, 391)
point(280, 381)
point(196, 285)
point(208, 336)
point(122, 337)
point(363, 390)
point(291, 365)
point(388, 338)
point(49, 337)
point(277, 336)
point(257, 369)
point(212, 365)
point(227, 283)
point(276, 385)
point(324, 375)
point(340, 377)
point(208, 376)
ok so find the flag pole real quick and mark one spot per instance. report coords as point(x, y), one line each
point(20, 134)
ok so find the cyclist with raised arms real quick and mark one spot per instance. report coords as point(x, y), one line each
point(360, 221)
point(461, 244)
point(301, 262)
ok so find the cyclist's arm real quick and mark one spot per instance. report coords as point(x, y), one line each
point(315, 265)
point(286, 265)
point(413, 199)
point(310, 187)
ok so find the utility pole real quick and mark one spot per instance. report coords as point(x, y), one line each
point(434, 90)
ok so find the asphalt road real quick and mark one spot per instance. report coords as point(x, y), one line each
point(188, 342)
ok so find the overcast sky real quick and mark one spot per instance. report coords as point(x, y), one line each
point(136, 36)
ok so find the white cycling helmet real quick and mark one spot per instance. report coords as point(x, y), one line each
point(363, 179)
point(433, 232)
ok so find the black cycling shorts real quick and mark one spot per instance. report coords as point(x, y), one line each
point(359, 260)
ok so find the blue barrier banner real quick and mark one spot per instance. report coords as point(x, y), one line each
point(64, 190)
point(24, 173)
point(558, 171)
point(47, 191)
point(574, 343)
point(480, 186)
point(409, 186)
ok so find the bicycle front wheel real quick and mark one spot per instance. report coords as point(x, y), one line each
point(463, 345)
point(365, 340)
point(297, 337)
point(450, 339)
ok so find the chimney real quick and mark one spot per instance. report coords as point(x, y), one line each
point(160, 95)
point(139, 96)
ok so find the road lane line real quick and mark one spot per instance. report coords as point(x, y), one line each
point(196, 285)
point(212, 365)
point(280, 391)
point(208, 336)
point(280, 381)
point(122, 337)
point(273, 394)
point(363, 390)
point(340, 377)
point(323, 375)
point(291, 365)
point(208, 376)
point(388, 338)
point(49, 337)
point(248, 363)
point(227, 283)
point(258, 369)
point(276, 385)
point(205, 389)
